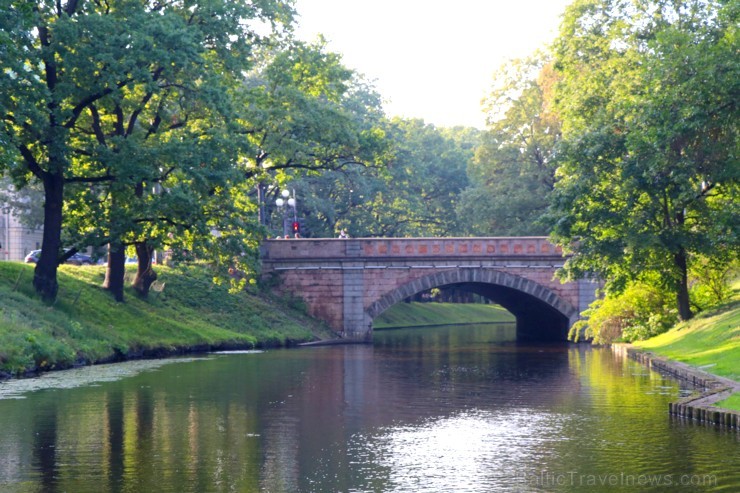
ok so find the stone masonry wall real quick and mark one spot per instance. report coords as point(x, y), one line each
point(341, 279)
point(322, 291)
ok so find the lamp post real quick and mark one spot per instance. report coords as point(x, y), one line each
point(290, 203)
point(264, 164)
point(261, 189)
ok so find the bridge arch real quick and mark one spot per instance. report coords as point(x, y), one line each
point(540, 312)
point(348, 282)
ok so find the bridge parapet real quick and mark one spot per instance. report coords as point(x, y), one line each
point(427, 248)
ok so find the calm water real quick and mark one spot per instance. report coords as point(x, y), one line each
point(456, 409)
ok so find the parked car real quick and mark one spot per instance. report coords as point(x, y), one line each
point(80, 259)
point(76, 259)
point(33, 256)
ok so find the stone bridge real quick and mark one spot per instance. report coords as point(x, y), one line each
point(349, 282)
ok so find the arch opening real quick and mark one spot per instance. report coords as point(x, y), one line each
point(540, 313)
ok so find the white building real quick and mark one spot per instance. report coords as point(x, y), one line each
point(16, 240)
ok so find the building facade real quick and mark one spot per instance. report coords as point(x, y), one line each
point(16, 240)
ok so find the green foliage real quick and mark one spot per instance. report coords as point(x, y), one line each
point(125, 112)
point(513, 172)
point(639, 312)
point(294, 302)
point(424, 178)
point(413, 193)
point(711, 279)
point(312, 123)
point(648, 174)
point(152, 124)
point(25, 203)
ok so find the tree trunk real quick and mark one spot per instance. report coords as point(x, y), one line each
point(45, 274)
point(145, 275)
point(682, 291)
point(115, 271)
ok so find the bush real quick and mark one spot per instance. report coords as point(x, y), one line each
point(641, 311)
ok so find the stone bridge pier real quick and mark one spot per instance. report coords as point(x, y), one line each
point(349, 282)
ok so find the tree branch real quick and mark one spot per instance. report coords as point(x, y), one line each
point(147, 97)
point(90, 99)
point(89, 179)
point(31, 162)
point(118, 111)
point(99, 135)
point(135, 114)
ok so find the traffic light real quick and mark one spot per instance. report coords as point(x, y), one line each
point(296, 227)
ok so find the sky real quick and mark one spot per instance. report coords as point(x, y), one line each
point(428, 58)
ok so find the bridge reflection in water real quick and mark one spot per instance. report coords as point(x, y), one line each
point(348, 283)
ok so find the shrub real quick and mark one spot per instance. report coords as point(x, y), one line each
point(641, 311)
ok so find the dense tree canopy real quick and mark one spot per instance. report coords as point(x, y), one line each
point(114, 95)
point(649, 168)
point(424, 176)
point(513, 173)
point(309, 119)
point(409, 189)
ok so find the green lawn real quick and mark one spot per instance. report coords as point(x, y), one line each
point(421, 314)
point(710, 341)
point(86, 325)
point(732, 402)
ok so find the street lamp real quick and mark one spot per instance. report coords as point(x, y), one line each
point(264, 164)
point(286, 199)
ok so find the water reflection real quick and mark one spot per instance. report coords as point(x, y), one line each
point(44, 446)
point(471, 451)
point(444, 409)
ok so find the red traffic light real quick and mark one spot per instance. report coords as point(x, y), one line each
point(296, 227)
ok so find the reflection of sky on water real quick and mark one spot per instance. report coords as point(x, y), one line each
point(79, 377)
point(476, 450)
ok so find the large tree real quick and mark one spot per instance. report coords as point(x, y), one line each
point(513, 172)
point(410, 190)
point(310, 118)
point(426, 173)
point(649, 168)
point(90, 87)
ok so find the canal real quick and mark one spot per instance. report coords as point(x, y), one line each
point(450, 409)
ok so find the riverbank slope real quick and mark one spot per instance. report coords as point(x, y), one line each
point(85, 325)
point(709, 342)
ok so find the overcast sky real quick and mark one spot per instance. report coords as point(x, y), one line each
point(431, 59)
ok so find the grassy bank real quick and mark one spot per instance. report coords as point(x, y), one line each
point(420, 314)
point(86, 326)
point(710, 341)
